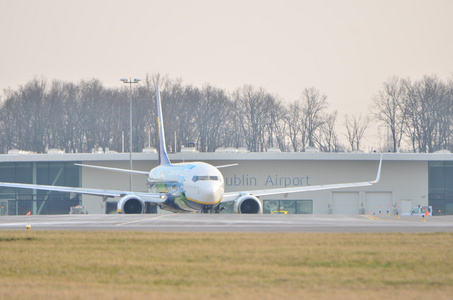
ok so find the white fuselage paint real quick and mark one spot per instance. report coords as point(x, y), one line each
point(190, 186)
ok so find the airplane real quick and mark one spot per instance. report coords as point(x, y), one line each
point(185, 187)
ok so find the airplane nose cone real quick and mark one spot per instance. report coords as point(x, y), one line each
point(211, 194)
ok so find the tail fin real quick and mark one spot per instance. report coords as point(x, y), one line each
point(163, 156)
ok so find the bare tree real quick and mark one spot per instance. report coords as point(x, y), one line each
point(255, 107)
point(327, 140)
point(233, 136)
point(313, 105)
point(9, 122)
point(356, 127)
point(389, 108)
point(277, 128)
point(26, 115)
point(186, 115)
point(428, 115)
point(212, 111)
point(295, 125)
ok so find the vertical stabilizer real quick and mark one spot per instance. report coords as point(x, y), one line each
point(163, 156)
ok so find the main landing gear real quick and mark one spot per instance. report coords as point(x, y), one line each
point(209, 209)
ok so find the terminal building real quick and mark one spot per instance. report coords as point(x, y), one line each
point(407, 180)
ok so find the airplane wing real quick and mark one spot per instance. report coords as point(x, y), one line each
point(266, 192)
point(147, 197)
point(226, 166)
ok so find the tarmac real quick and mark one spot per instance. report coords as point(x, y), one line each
point(231, 223)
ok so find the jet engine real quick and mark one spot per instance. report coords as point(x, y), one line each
point(248, 204)
point(131, 204)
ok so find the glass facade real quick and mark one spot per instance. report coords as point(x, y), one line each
point(21, 201)
point(440, 187)
point(288, 206)
point(277, 207)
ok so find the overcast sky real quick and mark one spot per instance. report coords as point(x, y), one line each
point(346, 49)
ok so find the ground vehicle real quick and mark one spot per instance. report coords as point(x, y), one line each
point(420, 211)
point(280, 212)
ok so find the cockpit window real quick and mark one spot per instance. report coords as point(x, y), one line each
point(196, 178)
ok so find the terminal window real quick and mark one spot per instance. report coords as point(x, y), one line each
point(288, 206)
point(440, 186)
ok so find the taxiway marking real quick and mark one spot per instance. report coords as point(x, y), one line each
point(141, 220)
point(371, 217)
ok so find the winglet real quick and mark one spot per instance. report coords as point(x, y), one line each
point(378, 177)
point(163, 156)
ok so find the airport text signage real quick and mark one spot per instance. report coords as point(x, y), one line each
point(268, 180)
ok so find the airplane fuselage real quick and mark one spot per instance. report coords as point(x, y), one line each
point(188, 186)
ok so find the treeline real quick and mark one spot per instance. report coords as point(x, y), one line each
point(418, 113)
point(80, 117)
point(84, 116)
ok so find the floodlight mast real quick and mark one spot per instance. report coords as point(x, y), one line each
point(130, 82)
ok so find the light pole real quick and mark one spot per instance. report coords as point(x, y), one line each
point(130, 82)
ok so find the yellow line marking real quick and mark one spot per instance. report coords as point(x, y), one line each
point(371, 217)
point(135, 221)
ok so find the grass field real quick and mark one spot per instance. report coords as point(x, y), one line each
point(158, 265)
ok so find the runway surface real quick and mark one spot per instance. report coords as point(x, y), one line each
point(230, 223)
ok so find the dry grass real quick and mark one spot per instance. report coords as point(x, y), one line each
point(152, 265)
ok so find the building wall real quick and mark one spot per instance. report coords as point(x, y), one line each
point(400, 180)
point(95, 178)
point(404, 179)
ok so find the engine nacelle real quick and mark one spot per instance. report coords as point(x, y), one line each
point(131, 204)
point(248, 204)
